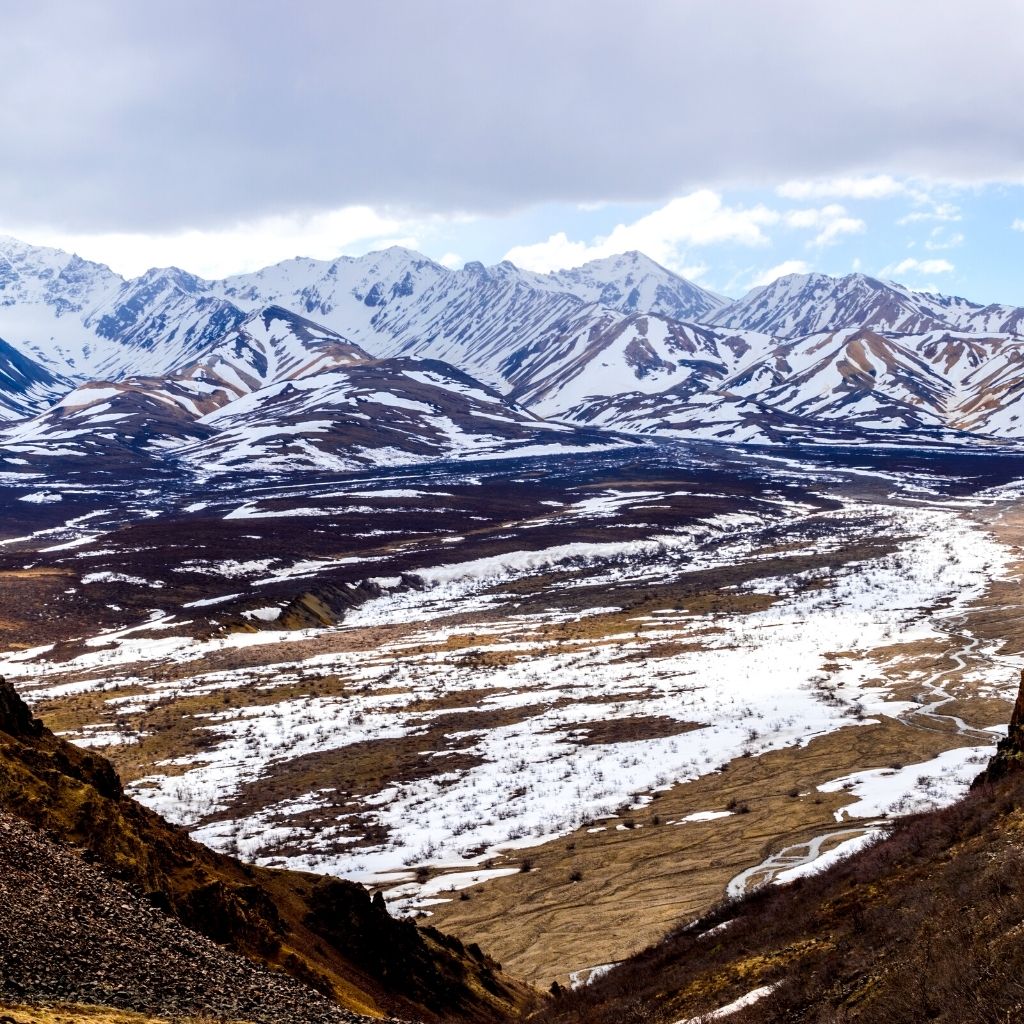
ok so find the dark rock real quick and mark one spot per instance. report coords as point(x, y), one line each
point(15, 717)
point(1009, 756)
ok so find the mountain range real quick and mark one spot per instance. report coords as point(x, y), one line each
point(390, 358)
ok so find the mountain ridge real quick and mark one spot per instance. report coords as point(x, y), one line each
point(620, 344)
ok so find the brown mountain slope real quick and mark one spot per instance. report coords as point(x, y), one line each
point(71, 933)
point(321, 930)
point(923, 926)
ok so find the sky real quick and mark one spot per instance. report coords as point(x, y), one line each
point(731, 140)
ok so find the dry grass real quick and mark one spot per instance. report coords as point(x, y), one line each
point(639, 882)
point(67, 1014)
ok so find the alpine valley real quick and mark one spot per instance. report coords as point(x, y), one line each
point(484, 645)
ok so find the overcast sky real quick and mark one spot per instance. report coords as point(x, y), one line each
point(732, 137)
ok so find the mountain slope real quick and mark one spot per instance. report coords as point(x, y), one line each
point(633, 283)
point(163, 318)
point(45, 296)
point(921, 926)
point(601, 352)
point(381, 412)
point(82, 321)
point(74, 935)
point(320, 930)
point(26, 387)
point(860, 377)
point(399, 303)
point(615, 343)
point(145, 418)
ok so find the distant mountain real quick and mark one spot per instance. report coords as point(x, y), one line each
point(165, 313)
point(82, 321)
point(601, 352)
point(279, 363)
point(280, 393)
point(45, 295)
point(139, 417)
point(634, 283)
point(379, 412)
point(859, 377)
point(800, 304)
point(399, 303)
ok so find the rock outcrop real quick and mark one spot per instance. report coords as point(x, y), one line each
point(1009, 755)
point(15, 717)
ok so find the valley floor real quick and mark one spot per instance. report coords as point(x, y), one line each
point(568, 704)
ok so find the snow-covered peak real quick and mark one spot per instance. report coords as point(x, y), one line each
point(173, 277)
point(802, 304)
point(634, 283)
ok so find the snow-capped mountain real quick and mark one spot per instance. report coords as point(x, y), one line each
point(397, 302)
point(800, 304)
point(859, 376)
point(165, 313)
point(351, 295)
point(633, 283)
point(82, 321)
point(381, 412)
point(139, 413)
point(45, 296)
point(275, 367)
point(278, 394)
point(601, 352)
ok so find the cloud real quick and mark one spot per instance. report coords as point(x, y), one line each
point(940, 211)
point(913, 266)
point(831, 232)
point(831, 221)
point(1018, 224)
point(158, 117)
point(780, 270)
point(698, 219)
point(938, 241)
point(878, 186)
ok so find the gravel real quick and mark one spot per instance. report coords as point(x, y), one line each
point(71, 934)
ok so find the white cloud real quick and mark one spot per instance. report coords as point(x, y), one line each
point(101, 134)
point(938, 241)
point(831, 221)
point(693, 272)
point(878, 186)
point(451, 260)
point(700, 218)
point(241, 247)
point(829, 234)
point(780, 270)
point(1018, 224)
point(940, 211)
point(913, 266)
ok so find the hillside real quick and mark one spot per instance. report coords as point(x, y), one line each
point(65, 813)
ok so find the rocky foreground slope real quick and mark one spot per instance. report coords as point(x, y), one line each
point(71, 934)
point(103, 902)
